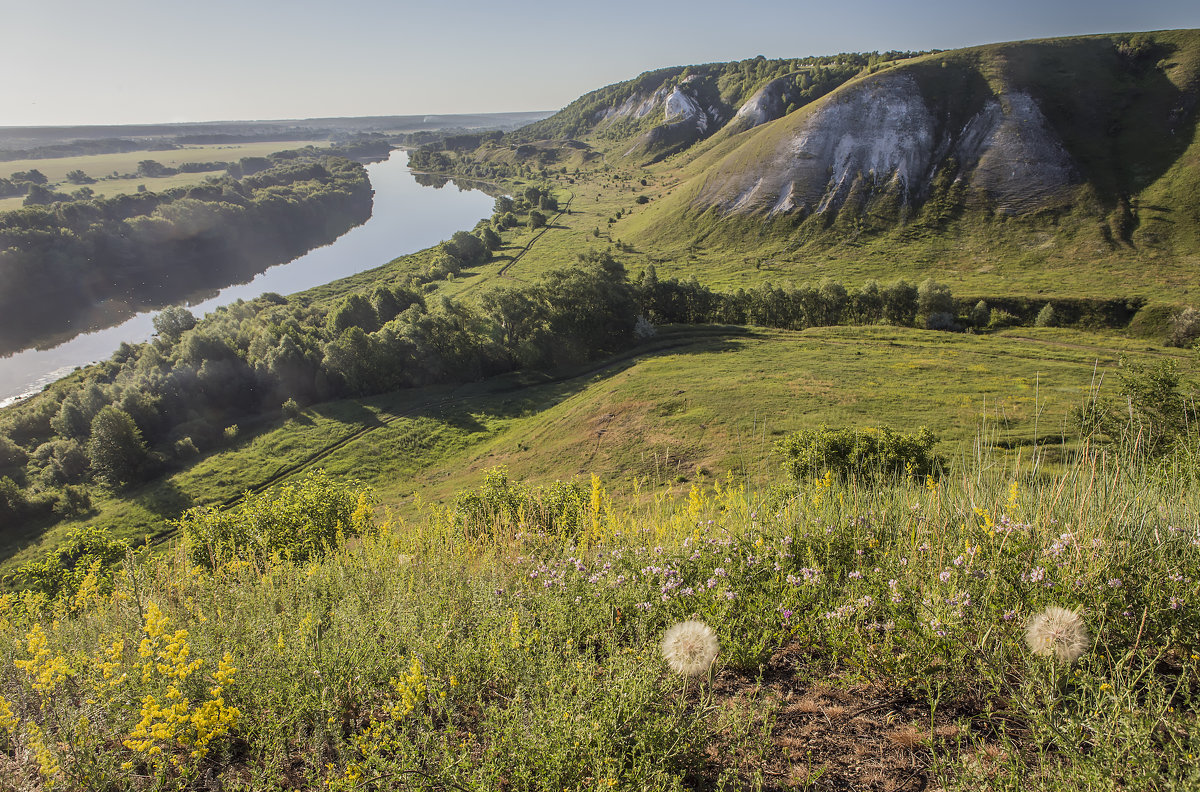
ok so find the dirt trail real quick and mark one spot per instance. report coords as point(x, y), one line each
point(675, 340)
point(503, 273)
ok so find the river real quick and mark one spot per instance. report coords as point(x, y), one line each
point(406, 217)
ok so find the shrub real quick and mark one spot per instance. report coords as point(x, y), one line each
point(185, 448)
point(291, 409)
point(1046, 317)
point(980, 314)
point(865, 452)
point(900, 303)
point(296, 521)
point(934, 298)
point(11, 454)
point(12, 498)
point(560, 508)
point(999, 318)
point(116, 448)
point(62, 571)
point(1154, 414)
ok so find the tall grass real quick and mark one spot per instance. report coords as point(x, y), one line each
point(418, 655)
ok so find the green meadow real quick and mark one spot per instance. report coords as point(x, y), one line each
point(984, 629)
point(690, 404)
point(102, 167)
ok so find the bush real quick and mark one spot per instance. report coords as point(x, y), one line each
point(1154, 413)
point(560, 508)
point(62, 571)
point(185, 448)
point(291, 409)
point(296, 521)
point(900, 303)
point(980, 314)
point(1046, 317)
point(12, 498)
point(934, 298)
point(1000, 318)
point(865, 452)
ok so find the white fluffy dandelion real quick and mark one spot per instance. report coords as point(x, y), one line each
point(690, 648)
point(1059, 633)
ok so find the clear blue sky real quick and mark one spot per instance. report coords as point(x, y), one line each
point(143, 61)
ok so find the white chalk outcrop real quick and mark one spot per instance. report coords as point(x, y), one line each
point(767, 104)
point(881, 132)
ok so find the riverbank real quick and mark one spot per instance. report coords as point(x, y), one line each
point(407, 217)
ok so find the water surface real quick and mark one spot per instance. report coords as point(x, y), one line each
point(406, 217)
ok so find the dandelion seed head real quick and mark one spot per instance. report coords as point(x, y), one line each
point(690, 648)
point(1059, 633)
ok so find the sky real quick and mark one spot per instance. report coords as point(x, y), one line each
point(155, 61)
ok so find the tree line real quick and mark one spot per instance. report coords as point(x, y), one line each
point(58, 261)
point(928, 304)
point(155, 406)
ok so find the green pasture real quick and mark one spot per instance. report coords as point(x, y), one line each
point(102, 167)
point(690, 404)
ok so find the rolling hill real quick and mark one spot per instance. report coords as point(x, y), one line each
point(1063, 166)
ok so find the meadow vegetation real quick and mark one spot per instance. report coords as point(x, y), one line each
point(871, 633)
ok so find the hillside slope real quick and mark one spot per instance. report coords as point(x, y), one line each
point(691, 403)
point(1025, 156)
point(666, 111)
point(1016, 128)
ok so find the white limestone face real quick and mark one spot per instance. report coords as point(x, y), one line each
point(881, 130)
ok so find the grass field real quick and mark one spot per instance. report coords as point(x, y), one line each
point(694, 403)
point(103, 166)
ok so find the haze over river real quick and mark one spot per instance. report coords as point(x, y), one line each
point(406, 218)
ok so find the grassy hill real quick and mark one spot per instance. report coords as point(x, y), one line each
point(1061, 167)
point(690, 405)
point(843, 634)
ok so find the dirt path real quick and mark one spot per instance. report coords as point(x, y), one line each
point(503, 273)
point(676, 340)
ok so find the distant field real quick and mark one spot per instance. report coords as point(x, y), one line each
point(102, 167)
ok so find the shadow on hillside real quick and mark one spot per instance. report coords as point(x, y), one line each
point(1118, 113)
point(164, 499)
point(347, 411)
point(515, 396)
